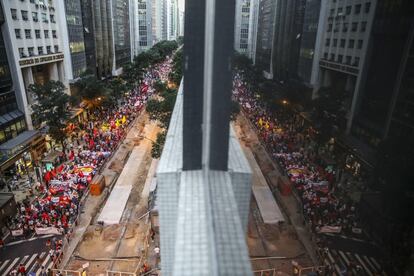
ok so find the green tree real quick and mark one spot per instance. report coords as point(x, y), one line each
point(161, 108)
point(158, 145)
point(51, 107)
point(177, 71)
point(118, 87)
point(92, 91)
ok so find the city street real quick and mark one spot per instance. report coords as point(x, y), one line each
point(25, 252)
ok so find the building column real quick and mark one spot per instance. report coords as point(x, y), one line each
point(28, 80)
point(53, 71)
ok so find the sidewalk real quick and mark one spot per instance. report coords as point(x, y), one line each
point(289, 204)
point(92, 204)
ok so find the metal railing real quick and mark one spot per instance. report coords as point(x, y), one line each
point(265, 272)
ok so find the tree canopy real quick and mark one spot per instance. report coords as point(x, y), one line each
point(51, 107)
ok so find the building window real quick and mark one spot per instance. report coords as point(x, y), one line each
point(367, 7)
point(327, 42)
point(332, 12)
point(340, 58)
point(343, 41)
point(21, 52)
point(14, 13)
point(354, 26)
point(24, 15)
point(31, 51)
point(339, 13)
point(46, 33)
point(345, 27)
point(356, 61)
point(40, 50)
point(54, 34)
point(336, 27)
point(37, 33)
point(348, 10)
point(358, 9)
point(351, 44)
point(363, 26)
point(18, 34)
point(44, 17)
point(335, 42)
point(52, 18)
point(329, 28)
point(35, 16)
point(28, 33)
point(325, 55)
point(48, 49)
point(348, 60)
point(360, 43)
point(32, 1)
point(332, 57)
point(56, 48)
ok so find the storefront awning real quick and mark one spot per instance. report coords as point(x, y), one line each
point(8, 117)
point(20, 141)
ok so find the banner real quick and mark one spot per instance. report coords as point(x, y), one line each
point(330, 229)
point(47, 230)
point(18, 232)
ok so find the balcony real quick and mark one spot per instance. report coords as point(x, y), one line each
point(334, 65)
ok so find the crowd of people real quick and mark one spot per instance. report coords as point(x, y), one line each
point(292, 146)
point(90, 143)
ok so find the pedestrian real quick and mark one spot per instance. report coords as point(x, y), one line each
point(42, 271)
point(21, 270)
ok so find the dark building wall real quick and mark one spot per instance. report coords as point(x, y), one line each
point(103, 37)
point(265, 33)
point(121, 23)
point(288, 29)
point(12, 120)
point(388, 40)
point(308, 39)
point(88, 35)
point(8, 209)
point(76, 39)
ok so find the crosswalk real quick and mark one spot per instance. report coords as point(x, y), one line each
point(341, 261)
point(29, 261)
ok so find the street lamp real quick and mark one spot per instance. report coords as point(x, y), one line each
point(284, 102)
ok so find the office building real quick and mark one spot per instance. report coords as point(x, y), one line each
point(35, 35)
point(172, 20)
point(24, 60)
point(245, 31)
point(120, 35)
point(141, 26)
point(73, 39)
point(265, 34)
point(382, 101)
point(89, 35)
point(159, 20)
point(288, 34)
point(311, 35)
point(346, 32)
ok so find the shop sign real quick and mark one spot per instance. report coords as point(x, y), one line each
point(40, 60)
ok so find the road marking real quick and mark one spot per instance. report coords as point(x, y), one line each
point(334, 263)
point(4, 264)
point(376, 263)
point(363, 265)
point(369, 263)
point(11, 266)
point(28, 265)
point(31, 239)
point(344, 257)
